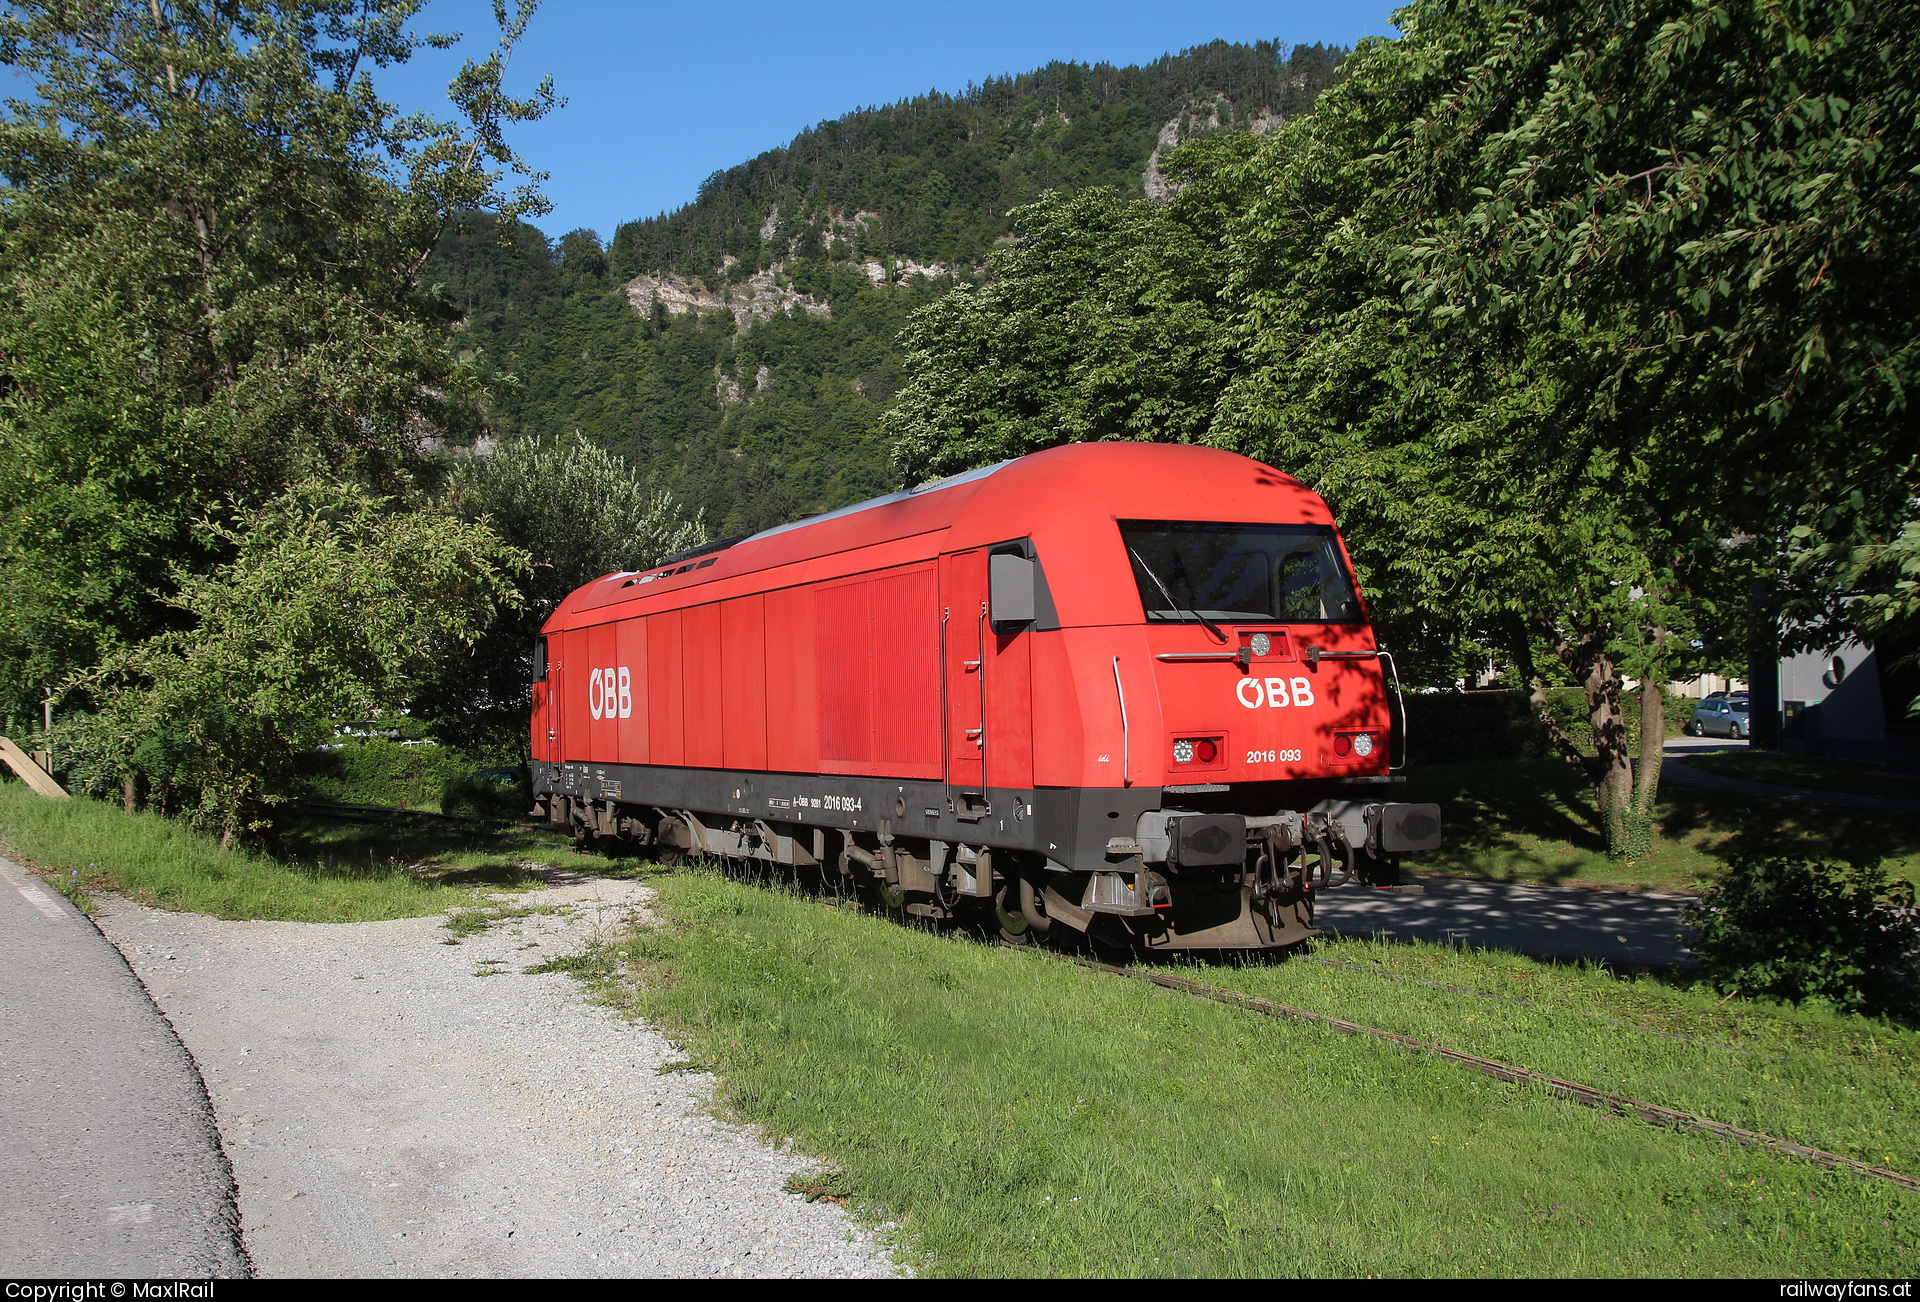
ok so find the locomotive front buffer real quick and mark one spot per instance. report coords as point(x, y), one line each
point(1276, 861)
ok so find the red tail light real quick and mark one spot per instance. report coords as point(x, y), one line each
point(1199, 752)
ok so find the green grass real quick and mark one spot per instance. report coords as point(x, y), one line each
point(1807, 771)
point(1532, 821)
point(314, 871)
point(1019, 1116)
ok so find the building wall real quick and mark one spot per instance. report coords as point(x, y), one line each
point(1831, 704)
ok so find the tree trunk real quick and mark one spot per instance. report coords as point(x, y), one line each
point(126, 792)
point(1609, 770)
point(1613, 767)
point(1653, 744)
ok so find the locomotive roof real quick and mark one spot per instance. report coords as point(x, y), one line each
point(1055, 486)
point(931, 486)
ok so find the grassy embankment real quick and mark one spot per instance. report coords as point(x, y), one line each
point(1020, 1116)
point(1533, 821)
point(313, 871)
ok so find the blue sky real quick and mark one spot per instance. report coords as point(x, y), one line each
point(661, 95)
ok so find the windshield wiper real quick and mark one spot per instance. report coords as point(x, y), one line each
point(1210, 626)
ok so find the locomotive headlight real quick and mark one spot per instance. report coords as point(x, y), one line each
point(1363, 744)
point(1183, 752)
point(1262, 644)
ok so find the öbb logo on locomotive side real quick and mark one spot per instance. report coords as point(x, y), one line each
point(1256, 692)
point(610, 693)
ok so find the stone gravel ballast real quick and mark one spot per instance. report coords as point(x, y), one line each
point(396, 1105)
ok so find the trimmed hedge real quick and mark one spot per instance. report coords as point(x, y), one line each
point(1471, 727)
point(381, 772)
point(1468, 727)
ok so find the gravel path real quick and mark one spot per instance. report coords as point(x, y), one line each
point(394, 1105)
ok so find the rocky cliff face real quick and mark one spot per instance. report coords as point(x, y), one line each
point(1197, 119)
point(754, 299)
point(768, 290)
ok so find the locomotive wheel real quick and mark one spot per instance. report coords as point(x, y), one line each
point(1014, 927)
point(889, 899)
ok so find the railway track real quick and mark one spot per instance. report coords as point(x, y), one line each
point(1606, 1100)
point(1521, 1003)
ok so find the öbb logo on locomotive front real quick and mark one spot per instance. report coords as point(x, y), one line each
point(1118, 691)
point(1256, 692)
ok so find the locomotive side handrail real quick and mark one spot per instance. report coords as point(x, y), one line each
point(1125, 735)
point(1399, 696)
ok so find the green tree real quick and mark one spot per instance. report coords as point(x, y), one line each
point(210, 238)
point(1102, 322)
point(1716, 206)
point(582, 512)
point(332, 608)
point(1479, 511)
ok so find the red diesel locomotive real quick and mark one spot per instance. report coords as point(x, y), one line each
point(1126, 689)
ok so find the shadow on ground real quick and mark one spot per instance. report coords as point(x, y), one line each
point(453, 854)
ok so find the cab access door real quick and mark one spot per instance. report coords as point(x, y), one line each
point(963, 635)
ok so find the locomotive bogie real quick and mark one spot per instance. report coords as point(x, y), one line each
point(1053, 690)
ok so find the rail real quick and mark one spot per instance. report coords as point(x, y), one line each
point(1653, 1113)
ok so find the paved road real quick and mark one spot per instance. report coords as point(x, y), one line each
point(1544, 921)
point(1559, 921)
point(110, 1165)
point(1676, 773)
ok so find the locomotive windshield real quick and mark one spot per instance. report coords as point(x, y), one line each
point(1194, 572)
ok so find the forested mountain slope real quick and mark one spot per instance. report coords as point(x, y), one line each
point(743, 346)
